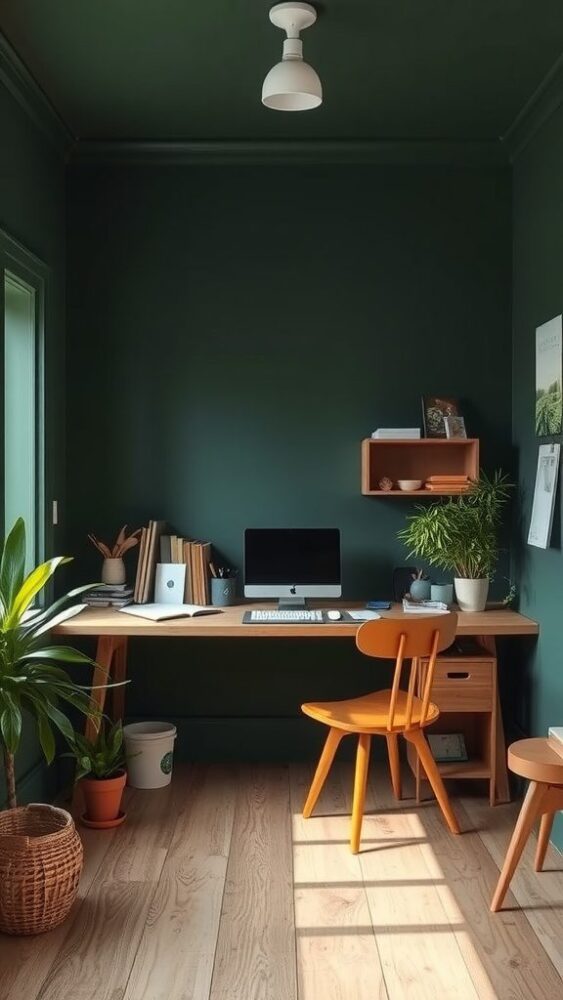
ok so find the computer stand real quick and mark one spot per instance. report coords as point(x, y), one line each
point(291, 603)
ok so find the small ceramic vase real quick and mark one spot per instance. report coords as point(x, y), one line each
point(113, 571)
point(420, 590)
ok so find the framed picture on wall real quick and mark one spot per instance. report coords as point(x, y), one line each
point(549, 409)
point(547, 477)
point(434, 409)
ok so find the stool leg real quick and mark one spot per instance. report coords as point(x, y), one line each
point(434, 777)
point(394, 763)
point(546, 823)
point(323, 767)
point(360, 782)
point(528, 815)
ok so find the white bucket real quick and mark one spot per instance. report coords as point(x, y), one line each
point(149, 747)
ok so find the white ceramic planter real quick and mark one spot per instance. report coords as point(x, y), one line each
point(471, 595)
point(113, 571)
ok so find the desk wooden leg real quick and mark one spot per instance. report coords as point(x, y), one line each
point(108, 647)
point(502, 789)
point(119, 675)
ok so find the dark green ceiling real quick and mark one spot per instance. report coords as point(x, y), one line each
point(179, 69)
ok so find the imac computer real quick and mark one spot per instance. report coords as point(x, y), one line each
point(292, 564)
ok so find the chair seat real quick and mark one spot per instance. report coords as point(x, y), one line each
point(537, 760)
point(369, 713)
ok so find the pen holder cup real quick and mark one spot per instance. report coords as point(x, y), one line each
point(223, 591)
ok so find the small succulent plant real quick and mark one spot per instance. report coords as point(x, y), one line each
point(419, 574)
point(122, 544)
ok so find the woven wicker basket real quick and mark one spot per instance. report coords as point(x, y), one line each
point(40, 866)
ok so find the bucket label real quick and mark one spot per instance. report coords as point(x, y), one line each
point(166, 763)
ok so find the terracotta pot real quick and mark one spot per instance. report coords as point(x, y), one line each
point(102, 797)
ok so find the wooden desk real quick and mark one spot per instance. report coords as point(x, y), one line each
point(112, 629)
point(228, 624)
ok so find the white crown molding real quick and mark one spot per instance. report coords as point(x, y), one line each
point(253, 151)
point(537, 110)
point(17, 79)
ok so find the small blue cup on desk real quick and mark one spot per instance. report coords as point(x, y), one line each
point(442, 592)
point(223, 591)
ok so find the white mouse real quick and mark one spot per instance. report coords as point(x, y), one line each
point(334, 616)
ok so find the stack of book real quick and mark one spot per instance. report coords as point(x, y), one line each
point(155, 546)
point(396, 433)
point(447, 484)
point(197, 556)
point(109, 596)
point(413, 606)
point(148, 558)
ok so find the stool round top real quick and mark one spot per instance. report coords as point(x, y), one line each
point(537, 760)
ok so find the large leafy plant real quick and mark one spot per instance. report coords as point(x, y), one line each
point(460, 535)
point(31, 676)
point(102, 757)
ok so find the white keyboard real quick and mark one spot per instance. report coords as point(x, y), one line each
point(302, 615)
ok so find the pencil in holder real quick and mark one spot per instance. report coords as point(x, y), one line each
point(223, 591)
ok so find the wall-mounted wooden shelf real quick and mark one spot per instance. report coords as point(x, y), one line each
point(417, 459)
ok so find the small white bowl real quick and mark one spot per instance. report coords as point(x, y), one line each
point(408, 485)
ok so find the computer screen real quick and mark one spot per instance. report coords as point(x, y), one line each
point(292, 562)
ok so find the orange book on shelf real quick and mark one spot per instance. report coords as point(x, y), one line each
point(450, 487)
point(462, 480)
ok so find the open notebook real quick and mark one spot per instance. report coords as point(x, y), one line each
point(160, 612)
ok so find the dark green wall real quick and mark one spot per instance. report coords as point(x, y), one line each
point(32, 211)
point(538, 296)
point(233, 334)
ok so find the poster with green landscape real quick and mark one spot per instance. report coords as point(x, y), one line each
point(548, 378)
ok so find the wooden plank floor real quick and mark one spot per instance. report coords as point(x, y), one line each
point(216, 889)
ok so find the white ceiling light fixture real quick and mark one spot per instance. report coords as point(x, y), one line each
point(292, 85)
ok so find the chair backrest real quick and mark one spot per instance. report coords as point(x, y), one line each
point(408, 639)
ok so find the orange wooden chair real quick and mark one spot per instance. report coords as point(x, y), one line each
point(389, 713)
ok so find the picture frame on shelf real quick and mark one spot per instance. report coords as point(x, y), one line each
point(455, 427)
point(448, 748)
point(434, 410)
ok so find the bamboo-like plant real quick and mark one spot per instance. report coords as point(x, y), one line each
point(460, 535)
point(31, 678)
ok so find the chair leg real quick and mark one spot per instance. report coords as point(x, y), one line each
point(323, 767)
point(394, 764)
point(360, 782)
point(528, 815)
point(546, 823)
point(434, 777)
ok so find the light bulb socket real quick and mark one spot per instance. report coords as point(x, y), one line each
point(292, 48)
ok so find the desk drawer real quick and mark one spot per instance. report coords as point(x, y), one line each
point(463, 685)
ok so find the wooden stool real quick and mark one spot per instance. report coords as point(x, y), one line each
point(537, 760)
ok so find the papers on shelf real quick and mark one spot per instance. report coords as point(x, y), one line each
point(425, 607)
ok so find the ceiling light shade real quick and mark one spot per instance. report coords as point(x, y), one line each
point(292, 85)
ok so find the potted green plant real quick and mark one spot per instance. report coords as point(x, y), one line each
point(460, 535)
point(38, 844)
point(101, 774)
